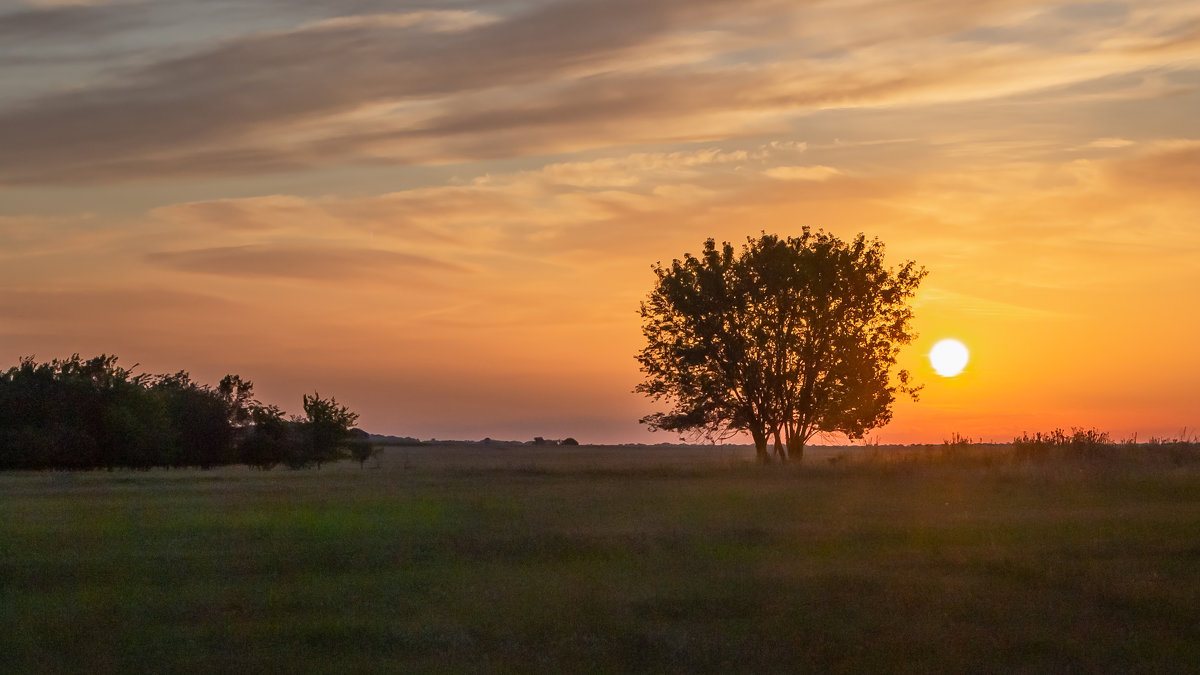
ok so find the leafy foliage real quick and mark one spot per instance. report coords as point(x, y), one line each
point(788, 338)
point(360, 446)
point(271, 439)
point(326, 430)
point(79, 413)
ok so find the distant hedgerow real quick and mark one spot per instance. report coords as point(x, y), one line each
point(77, 413)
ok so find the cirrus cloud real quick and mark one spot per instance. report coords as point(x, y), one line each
point(459, 85)
point(293, 262)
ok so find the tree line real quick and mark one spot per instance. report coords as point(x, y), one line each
point(78, 413)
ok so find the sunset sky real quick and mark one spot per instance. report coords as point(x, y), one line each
point(445, 213)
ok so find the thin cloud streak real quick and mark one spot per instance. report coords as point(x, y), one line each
point(459, 86)
point(36, 24)
point(307, 263)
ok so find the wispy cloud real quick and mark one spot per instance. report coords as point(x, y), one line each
point(1172, 166)
point(461, 85)
point(442, 21)
point(43, 20)
point(816, 172)
point(293, 262)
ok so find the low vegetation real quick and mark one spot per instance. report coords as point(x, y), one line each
point(1078, 449)
point(610, 559)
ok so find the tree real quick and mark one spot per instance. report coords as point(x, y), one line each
point(269, 439)
point(786, 339)
point(361, 447)
point(199, 419)
point(238, 395)
point(326, 428)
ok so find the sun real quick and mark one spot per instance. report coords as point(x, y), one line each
point(949, 357)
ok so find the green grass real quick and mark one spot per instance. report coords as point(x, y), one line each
point(590, 560)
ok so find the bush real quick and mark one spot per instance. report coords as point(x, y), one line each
point(1079, 444)
point(91, 414)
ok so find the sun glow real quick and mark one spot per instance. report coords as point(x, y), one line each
point(949, 357)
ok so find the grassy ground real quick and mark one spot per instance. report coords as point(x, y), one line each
point(564, 559)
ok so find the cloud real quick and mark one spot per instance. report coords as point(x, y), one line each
point(476, 213)
point(1173, 167)
point(567, 210)
point(67, 3)
point(253, 214)
point(817, 173)
point(211, 104)
point(1108, 143)
point(436, 86)
point(23, 234)
point(54, 315)
point(438, 21)
point(629, 170)
point(27, 303)
point(30, 26)
point(642, 167)
point(293, 262)
point(979, 305)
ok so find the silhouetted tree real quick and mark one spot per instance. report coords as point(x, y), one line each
point(786, 339)
point(270, 439)
point(361, 447)
point(326, 428)
point(238, 395)
point(199, 419)
point(78, 414)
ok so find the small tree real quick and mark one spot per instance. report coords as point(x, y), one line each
point(326, 427)
point(790, 338)
point(200, 420)
point(361, 447)
point(266, 441)
point(238, 395)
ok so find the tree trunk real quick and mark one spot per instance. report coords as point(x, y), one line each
point(779, 447)
point(760, 445)
point(795, 448)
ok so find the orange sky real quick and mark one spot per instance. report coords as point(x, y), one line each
point(446, 218)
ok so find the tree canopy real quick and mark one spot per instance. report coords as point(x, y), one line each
point(326, 429)
point(784, 339)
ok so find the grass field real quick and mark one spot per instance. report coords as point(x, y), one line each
point(602, 559)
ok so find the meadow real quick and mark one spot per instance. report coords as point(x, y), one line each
point(606, 559)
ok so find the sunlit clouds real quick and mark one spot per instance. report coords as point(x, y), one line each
point(460, 85)
point(446, 215)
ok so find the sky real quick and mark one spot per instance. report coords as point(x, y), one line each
point(445, 213)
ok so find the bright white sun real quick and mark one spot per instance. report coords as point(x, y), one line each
point(949, 357)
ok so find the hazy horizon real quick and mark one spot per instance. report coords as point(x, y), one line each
point(446, 218)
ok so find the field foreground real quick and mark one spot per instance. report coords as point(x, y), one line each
point(601, 559)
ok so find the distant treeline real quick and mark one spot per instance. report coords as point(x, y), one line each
point(94, 414)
